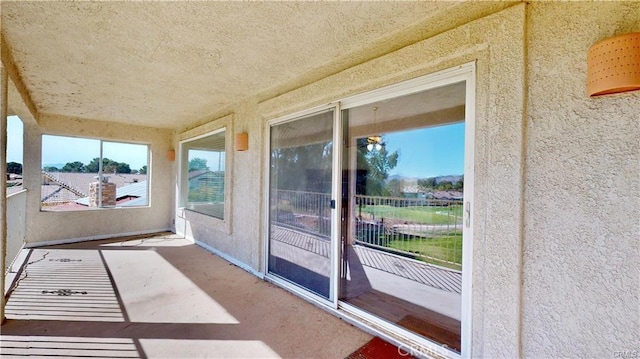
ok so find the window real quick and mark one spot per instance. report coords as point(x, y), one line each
point(14, 154)
point(203, 174)
point(83, 173)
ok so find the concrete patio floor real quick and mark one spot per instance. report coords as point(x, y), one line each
point(160, 297)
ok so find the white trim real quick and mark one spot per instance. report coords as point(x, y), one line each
point(298, 290)
point(266, 190)
point(336, 215)
point(224, 225)
point(398, 335)
point(94, 238)
point(466, 315)
point(206, 134)
point(431, 81)
point(463, 73)
point(226, 257)
point(299, 115)
point(266, 204)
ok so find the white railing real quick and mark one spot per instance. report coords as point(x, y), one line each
point(308, 211)
point(425, 229)
point(429, 230)
point(16, 225)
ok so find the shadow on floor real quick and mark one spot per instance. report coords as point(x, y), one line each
point(160, 296)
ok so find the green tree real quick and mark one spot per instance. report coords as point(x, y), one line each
point(444, 186)
point(75, 166)
point(108, 166)
point(395, 188)
point(94, 165)
point(143, 170)
point(123, 168)
point(50, 169)
point(459, 185)
point(14, 167)
point(198, 164)
point(375, 167)
point(427, 182)
point(303, 168)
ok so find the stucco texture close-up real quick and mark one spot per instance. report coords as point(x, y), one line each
point(555, 223)
point(97, 223)
point(582, 208)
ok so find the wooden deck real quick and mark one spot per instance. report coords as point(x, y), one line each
point(392, 288)
point(424, 273)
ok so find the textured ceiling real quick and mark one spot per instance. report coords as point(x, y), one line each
point(167, 64)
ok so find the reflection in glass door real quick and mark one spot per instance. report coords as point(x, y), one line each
point(402, 231)
point(300, 173)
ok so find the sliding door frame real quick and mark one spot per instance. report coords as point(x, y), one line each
point(464, 73)
point(410, 341)
point(332, 302)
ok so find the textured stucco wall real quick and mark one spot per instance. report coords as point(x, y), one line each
point(16, 225)
point(239, 235)
point(555, 263)
point(56, 226)
point(582, 208)
point(496, 42)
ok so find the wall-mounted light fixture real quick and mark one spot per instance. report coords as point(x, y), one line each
point(171, 155)
point(242, 141)
point(614, 65)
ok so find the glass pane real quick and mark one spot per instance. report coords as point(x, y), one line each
point(300, 202)
point(68, 172)
point(204, 171)
point(402, 233)
point(71, 173)
point(124, 165)
point(14, 154)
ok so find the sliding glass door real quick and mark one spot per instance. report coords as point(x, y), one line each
point(300, 187)
point(371, 212)
point(403, 230)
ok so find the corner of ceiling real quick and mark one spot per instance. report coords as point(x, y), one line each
point(19, 98)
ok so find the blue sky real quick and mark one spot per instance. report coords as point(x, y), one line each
point(60, 150)
point(428, 152)
point(14, 139)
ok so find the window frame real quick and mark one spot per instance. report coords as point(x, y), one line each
point(100, 171)
point(223, 225)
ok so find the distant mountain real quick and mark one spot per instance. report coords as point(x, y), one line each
point(439, 179)
point(401, 178)
point(450, 178)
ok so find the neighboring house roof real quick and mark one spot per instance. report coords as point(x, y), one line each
point(199, 173)
point(138, 190)
point(55, 193)
point(81, 181)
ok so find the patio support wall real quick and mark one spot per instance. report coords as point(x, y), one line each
point(3, 182)
point(582, 202)
point(496, 42)
point(47, 227)
point(557, 185)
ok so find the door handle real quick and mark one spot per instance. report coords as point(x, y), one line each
point(467, 211)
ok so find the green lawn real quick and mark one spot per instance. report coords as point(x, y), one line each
point(419, 214)
point(446, 248)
